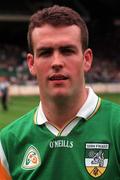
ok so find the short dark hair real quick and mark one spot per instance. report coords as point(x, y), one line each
point(58, 16)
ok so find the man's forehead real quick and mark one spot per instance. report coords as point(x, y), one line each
point(45, 29)
point(49, 36)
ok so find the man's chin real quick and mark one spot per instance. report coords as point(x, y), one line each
point(60, 96)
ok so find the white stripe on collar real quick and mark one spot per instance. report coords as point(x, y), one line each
point(89, 106)
point(86, 110)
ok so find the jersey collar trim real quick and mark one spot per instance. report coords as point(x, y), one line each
point(88, 109)
point(90, 106)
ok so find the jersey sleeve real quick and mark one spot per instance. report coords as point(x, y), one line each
point(4, 167)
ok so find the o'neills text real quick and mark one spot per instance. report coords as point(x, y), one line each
point(61, 143)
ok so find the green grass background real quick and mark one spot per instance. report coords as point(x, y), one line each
point(19, 105)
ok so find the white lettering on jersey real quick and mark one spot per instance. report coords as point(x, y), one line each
point(61, 143)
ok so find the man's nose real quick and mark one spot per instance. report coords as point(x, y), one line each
point(57, 62)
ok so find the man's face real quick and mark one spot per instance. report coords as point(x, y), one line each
point(58, 61)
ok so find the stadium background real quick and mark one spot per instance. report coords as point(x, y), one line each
point(103, 20)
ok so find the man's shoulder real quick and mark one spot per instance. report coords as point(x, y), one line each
point(111, 104)
point(111, 108)
point(18, 124)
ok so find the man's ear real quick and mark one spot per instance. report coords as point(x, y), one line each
point(30, 62)
point(88, 58)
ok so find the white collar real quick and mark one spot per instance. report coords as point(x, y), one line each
point(86, 111)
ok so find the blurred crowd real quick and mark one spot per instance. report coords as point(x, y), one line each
point(104, 70)
point(13, 65)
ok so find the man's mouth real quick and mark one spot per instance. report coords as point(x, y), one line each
point(58, 77)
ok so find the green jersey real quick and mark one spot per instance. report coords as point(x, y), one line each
point(90, 150)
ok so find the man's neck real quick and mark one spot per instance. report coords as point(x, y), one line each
point(60, 114)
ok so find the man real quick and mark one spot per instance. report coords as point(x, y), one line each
point(72, 134)
point(4, 90)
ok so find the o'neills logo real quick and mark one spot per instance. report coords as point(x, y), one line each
point(96, 158)
point(61, 143)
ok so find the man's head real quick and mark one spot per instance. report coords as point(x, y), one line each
point(59, 56)
point(58, 16)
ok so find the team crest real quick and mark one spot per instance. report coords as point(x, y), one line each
point(96, 158)
point(31, 159)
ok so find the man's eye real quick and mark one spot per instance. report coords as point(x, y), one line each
point(67, 51)
point(45, 53)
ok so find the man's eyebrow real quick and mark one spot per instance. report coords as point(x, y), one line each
point(43, 48)
point(71, 46)
point(68, 46)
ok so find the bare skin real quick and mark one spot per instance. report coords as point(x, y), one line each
point(59, 64)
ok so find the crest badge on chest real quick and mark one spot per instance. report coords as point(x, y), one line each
point(96, 158)
point(31, 159)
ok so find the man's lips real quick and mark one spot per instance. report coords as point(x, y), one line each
point(58, 77)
